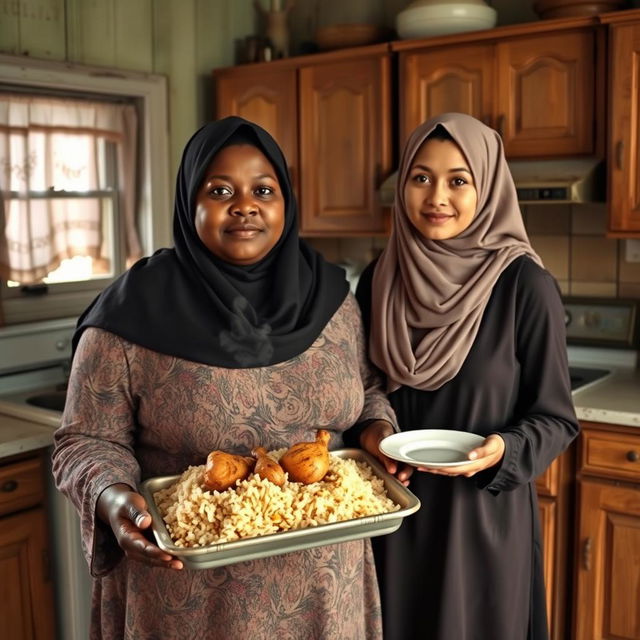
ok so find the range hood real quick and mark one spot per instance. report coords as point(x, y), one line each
point(561, 180)
point(575, 179)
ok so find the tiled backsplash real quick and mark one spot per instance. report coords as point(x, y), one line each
point(570, 239)
point(572, 243)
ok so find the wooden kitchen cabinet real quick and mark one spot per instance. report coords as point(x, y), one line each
point(331, 113)
point(539, 84)
point(624, 135)
point(608, 537)
point(26, 593)
point(546, 94)
point(555, 488)
point(455, 78)
point(536, 90)
point(345, 145)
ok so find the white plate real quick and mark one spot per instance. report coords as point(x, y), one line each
point(431, 447)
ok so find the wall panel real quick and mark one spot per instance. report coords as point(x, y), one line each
point(90, 32)
point(9, 27)
point(41, 28)
point(133, 41)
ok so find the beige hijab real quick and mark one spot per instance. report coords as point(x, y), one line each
point(428, 296)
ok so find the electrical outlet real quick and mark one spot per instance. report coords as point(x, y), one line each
point(632, 250)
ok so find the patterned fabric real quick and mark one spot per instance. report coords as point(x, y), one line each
point(133, 413)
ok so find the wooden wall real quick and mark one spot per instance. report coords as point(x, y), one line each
point(181, 39)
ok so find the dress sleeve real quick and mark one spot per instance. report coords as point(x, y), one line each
point(376, 403)
point(544, 417)
point(94, 446)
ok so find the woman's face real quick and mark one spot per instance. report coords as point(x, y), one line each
point(439, 193)
point(240, 206)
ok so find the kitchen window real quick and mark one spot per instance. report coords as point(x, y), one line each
point(78, 203)
point(65, 192)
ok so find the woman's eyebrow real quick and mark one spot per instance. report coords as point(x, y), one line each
point(424, 167)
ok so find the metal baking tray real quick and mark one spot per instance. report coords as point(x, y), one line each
point(286, 541)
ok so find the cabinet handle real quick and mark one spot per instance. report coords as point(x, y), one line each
point(500, 127)
point(586, 554)
point(9, 486)
point(619, 154)
point(633, 456)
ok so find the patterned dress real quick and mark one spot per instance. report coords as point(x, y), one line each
point(133, 413)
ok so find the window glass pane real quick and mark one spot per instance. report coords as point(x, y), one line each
point(74, 162)
point(82, 227)
point(72, 270)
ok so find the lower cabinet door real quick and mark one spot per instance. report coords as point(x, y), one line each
point(26, 594)
point(608, 574)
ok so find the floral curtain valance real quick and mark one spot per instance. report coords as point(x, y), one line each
point(56, 145)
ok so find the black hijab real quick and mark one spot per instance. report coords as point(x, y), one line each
point(188, 303)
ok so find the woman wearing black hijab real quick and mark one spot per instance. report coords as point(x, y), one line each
point(240, 336)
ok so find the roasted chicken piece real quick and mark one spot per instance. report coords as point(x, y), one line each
point(223, 470)
point(268, 468)
point(308, 462)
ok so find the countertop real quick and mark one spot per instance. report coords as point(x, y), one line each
point(612, 400)
point(18, 436)
point(24, 428)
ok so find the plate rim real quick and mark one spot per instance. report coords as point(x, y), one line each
point(433, 465)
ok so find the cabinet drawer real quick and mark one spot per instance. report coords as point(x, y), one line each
point(21, 485)
point(611, 454)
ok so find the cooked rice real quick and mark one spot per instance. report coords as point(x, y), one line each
point(196, 517)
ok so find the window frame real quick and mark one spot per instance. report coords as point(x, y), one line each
point(149, 92)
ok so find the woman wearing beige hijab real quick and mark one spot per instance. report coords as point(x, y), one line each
point(468, 327)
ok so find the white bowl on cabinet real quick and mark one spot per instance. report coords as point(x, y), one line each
point(423, 19)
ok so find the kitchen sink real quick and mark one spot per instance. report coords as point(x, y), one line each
point(582, 376)
point(53, 400)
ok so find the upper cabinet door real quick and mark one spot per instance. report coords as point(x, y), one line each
point(624, 130)
point(446, 79)
point(268, 98)
point(546, 94)
point(345, 149)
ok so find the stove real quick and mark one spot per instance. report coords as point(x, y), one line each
point(602, 336)
point(34, 367)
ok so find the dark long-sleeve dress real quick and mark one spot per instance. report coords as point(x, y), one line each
point(468, 564)
point(134, 413)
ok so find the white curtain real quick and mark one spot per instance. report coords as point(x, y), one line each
point(55, 144)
